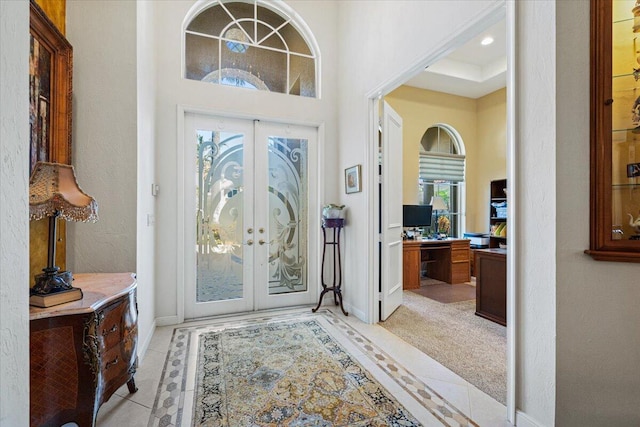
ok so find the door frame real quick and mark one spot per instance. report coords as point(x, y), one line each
point(504, 9)
point(181, 111)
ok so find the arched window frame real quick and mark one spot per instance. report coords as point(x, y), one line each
point(436, 184)
point(281, 8)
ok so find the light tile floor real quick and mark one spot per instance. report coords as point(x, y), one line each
point(373, 346)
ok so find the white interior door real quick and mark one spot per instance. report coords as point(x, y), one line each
point(247, 222)
point(391, 250)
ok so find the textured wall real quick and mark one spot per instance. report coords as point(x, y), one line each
point(535, 194)
point(145, 241)
point(14, 215)
point(103, 36)
point(598, 324)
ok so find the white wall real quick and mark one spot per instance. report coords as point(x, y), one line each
point(105, 146)
point(172, 90)
point(370, 58)
point(103, 36)
point(146, 171)
point(535, 195)
point(598, 315)
point(371, 34)
point(14, 213)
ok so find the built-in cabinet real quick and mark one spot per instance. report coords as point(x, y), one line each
point(498, 213)
point(615, 131)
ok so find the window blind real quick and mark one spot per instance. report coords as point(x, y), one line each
point(441, 166)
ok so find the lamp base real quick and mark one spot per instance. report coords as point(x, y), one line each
point(52, 280)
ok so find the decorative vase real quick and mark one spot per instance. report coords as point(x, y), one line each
point(332, 211)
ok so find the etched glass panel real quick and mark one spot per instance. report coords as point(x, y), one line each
point(220, 181)
point(288, 222)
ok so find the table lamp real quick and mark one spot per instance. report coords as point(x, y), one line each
point(437, 204)
point(54, 193)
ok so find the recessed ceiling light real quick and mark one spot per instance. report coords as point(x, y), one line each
point(486, 41)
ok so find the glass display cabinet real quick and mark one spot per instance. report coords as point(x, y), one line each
point(615, 130)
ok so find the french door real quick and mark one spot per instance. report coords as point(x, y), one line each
point(250, 237)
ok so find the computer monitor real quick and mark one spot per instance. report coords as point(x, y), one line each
point(416, 215)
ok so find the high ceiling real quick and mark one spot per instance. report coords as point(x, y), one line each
point(472, 70)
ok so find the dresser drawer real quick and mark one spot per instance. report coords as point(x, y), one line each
point(110, 327)
point(114, 364)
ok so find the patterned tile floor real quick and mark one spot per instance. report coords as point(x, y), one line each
point(432, 393)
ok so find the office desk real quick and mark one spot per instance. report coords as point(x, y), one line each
point(448, 260)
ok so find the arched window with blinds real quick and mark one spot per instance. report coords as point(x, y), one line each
point(442, 174)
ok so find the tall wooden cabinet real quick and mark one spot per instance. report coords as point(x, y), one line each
point(615, 131)
point(81, 352)
point(498, 213)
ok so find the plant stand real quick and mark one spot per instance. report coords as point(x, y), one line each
point(335, 224)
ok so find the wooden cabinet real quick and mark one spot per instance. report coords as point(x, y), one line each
point(491, 284)
point(498, 213)
point(615, 132)
point(81, 352)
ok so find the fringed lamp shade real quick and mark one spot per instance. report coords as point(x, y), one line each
point(54, 193)
point(53, 189)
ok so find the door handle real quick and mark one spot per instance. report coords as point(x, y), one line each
point(249, 230)
point(262, 242)
point(261, 230)
point(249, 242)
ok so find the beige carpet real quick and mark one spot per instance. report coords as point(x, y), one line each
point(472, 347)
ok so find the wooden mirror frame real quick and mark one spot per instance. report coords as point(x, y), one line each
point(603, 246)
point(57, 146)
point(45, 32)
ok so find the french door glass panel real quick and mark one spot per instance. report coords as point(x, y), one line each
point(287, 159)
point(285, 196)
point(248, 216)
point(220, 204)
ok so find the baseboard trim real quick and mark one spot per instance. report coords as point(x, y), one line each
point(524, 420)
point(354, 312)
point(146, 342)
point(167, 321)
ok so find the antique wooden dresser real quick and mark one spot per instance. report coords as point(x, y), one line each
point(83, 351)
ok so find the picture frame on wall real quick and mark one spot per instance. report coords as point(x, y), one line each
point(352, 179)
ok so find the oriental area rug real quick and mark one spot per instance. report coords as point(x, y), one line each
point(287, 374)
point(288, 370)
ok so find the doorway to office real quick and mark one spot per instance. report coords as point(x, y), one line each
point(376, 97)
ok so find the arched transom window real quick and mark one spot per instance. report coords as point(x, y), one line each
point(250, 45)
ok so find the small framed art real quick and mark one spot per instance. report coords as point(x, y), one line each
point(352, 178)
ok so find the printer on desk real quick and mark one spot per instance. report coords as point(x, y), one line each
point(478, 240)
